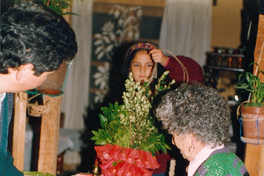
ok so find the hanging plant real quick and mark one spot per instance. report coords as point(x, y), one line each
point(252, 84)
point(57, 5)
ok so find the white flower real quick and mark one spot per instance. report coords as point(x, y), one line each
point(99, 96)
point(108, 27)
point(102, 77)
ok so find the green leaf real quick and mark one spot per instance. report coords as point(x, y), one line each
point(113, 125)
point(112, 116)
point(95, 138)
point(103, 120)
point(35, 173)
point(101, 142)
point(167, 146)
point(95, 133)
point(163, 148)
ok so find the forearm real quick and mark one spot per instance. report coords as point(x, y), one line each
point(9, 168)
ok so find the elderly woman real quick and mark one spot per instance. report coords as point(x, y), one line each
point(198, 119)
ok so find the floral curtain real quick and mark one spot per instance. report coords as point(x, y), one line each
point(186, 28)
point(110, 31)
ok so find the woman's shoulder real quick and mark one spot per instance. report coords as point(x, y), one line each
point(224, 162)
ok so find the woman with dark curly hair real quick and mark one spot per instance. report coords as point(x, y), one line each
point(198, 119)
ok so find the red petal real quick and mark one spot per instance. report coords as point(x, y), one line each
point(115, 151)
point(153, 161)
point(119, 166)
point(122, 168)
point(106, 165)
point(112, 170)
point(137, 171)
point(128, 171)
point(130, 160)
point(134, 153)
point(103, 149)
point(149, 161)
point(144, 172)
point(124, 154)
point(139, 162)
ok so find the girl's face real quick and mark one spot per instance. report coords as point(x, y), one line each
point(141, 66)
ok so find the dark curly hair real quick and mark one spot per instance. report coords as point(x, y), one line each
point(32, 33)
point(196, 109)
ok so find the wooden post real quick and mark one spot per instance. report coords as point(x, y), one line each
point(49, 135)
point(254, 154)
point(18, 149)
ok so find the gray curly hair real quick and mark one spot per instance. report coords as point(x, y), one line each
point(196, 109)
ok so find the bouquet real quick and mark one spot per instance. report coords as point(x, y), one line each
point(129, 137)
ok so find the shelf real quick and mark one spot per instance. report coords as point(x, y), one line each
point(226, 68)
point(253, 141)
point(225, 54)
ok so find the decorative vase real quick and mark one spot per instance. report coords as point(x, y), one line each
point(54, 84)
point(120, 161)
point(253, 122)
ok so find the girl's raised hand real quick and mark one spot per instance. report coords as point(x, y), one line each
point(158, 56)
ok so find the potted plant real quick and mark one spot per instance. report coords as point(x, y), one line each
point(252, 110)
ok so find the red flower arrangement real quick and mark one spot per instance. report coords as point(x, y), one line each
point(121, 161)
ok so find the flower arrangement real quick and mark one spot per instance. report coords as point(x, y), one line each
point(129, 137)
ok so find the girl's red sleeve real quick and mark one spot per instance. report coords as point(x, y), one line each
point(194, 70)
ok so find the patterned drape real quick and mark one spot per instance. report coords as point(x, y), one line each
point(110, 31)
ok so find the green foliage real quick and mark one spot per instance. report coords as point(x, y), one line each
point(35, 173)
point(131, 124)
point(57, 5)
point(252, 84)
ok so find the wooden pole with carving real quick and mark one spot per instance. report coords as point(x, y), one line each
point(18, 147)
point(254, 154)
point(49, 135)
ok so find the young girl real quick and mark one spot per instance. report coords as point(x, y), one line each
point(142, 59)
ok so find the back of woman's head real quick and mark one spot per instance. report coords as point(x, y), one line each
point(196, 109)
point(32, 33)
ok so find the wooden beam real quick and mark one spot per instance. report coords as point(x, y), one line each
point(254, 159)
point(18, 147)
point(153, 3)
point(100, 6)
point(49, 135)
point(254, 154)
point(259, 49)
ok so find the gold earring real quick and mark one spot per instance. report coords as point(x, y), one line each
point(191, 149)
